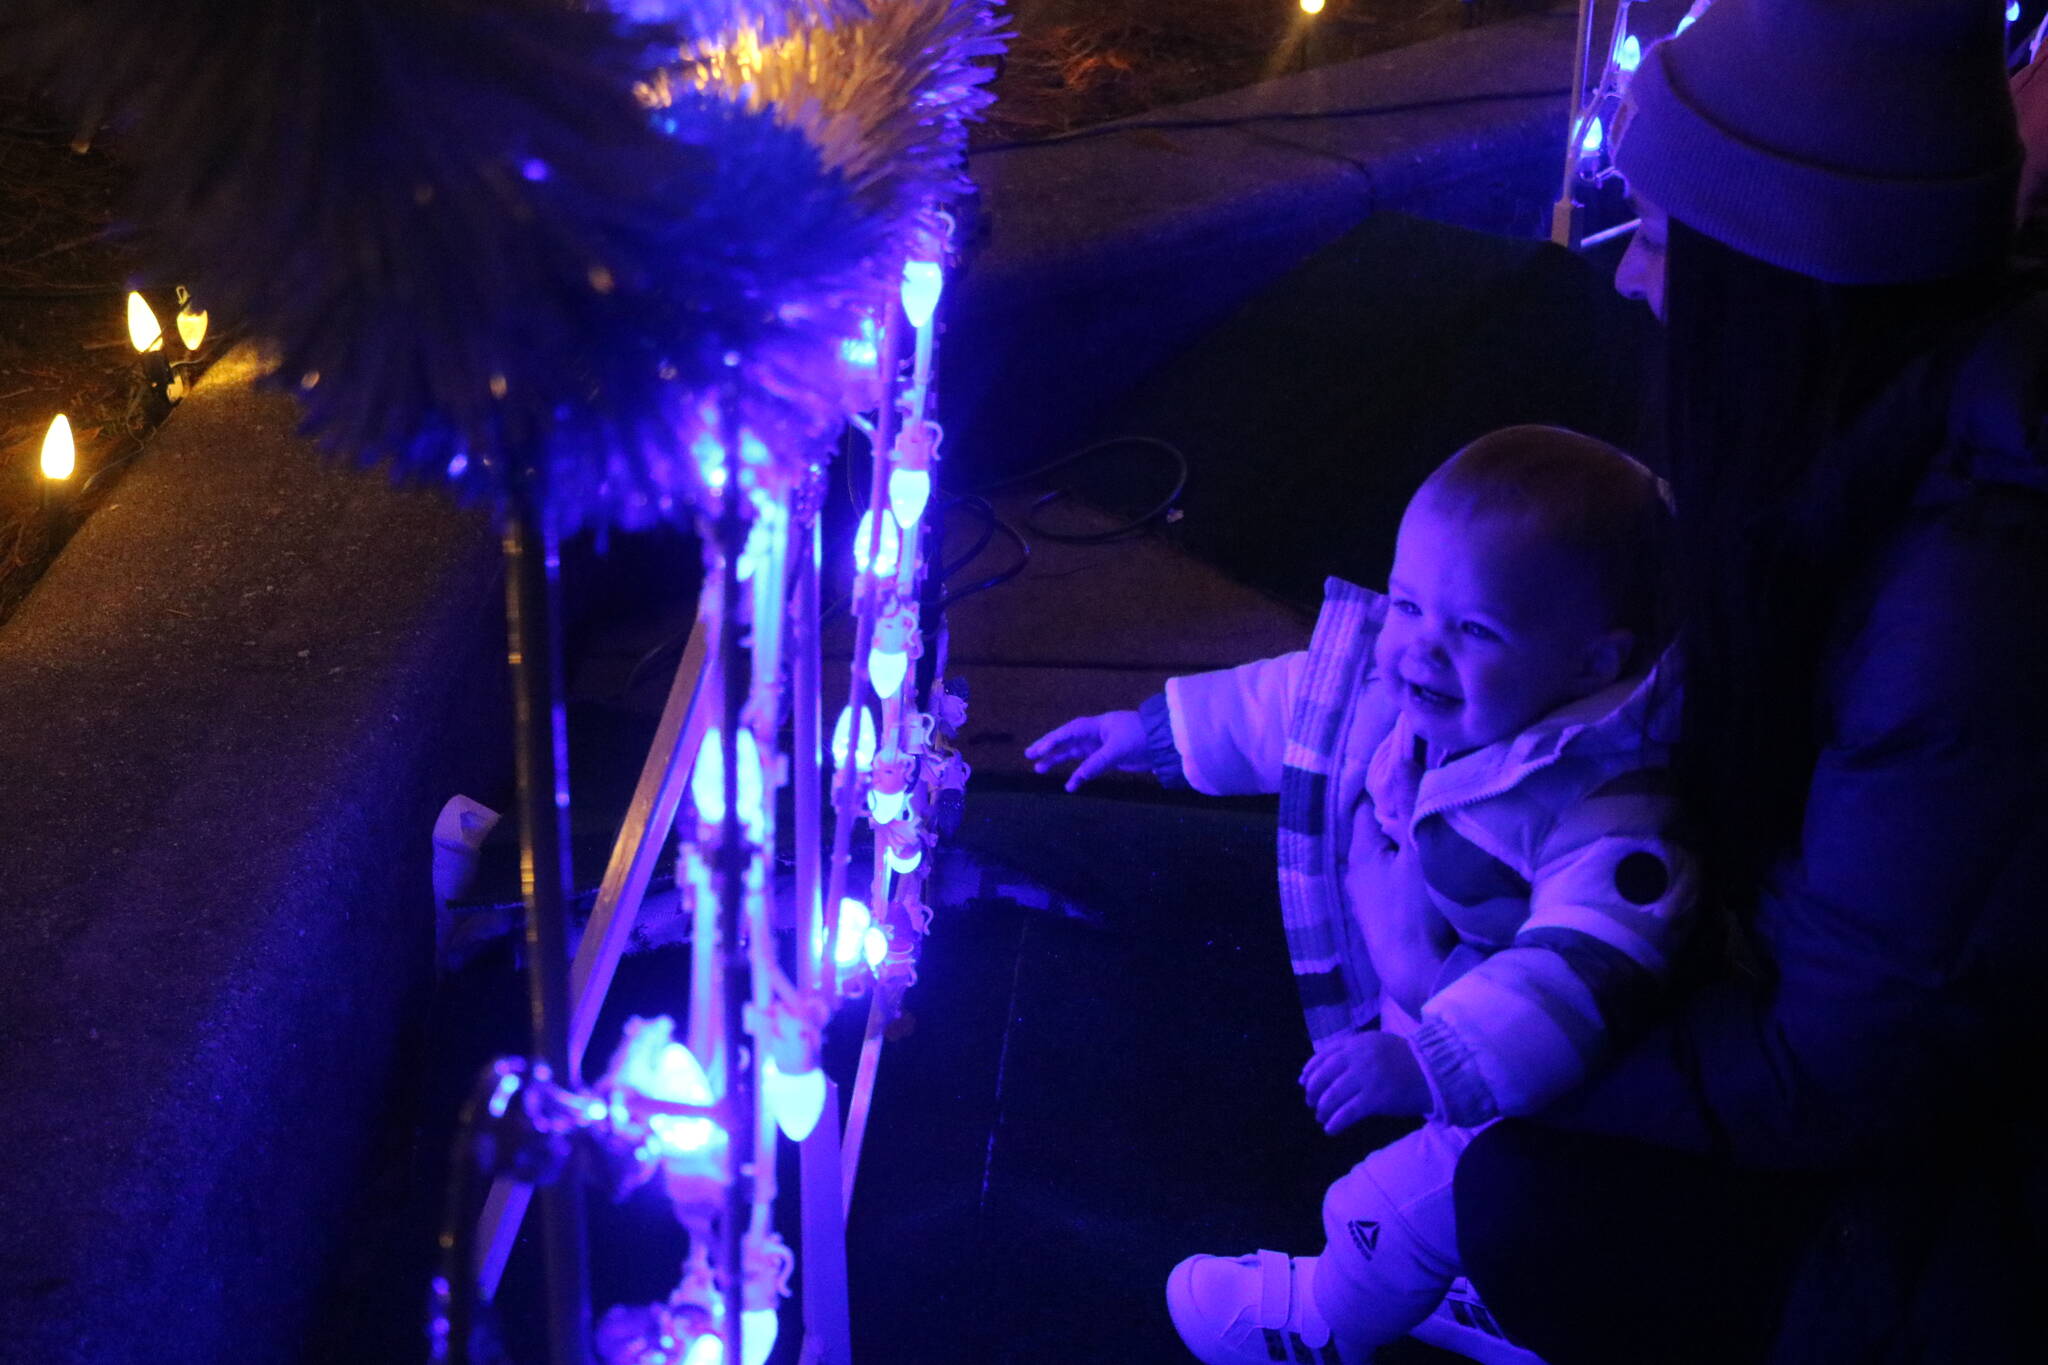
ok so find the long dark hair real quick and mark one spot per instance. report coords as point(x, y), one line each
point(1794, 447)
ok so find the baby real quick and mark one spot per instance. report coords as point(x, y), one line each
point(1474, 854)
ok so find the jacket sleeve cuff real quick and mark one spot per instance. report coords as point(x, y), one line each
point(1462, 1096)
point(1160, 752)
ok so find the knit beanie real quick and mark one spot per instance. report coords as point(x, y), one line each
point(1855, 141)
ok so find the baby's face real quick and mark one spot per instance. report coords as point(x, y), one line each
point(1488, 627)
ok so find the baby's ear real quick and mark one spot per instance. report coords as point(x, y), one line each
point(1608, 655)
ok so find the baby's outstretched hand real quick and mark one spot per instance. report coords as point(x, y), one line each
point(1114, 739)
point(1364, 1074)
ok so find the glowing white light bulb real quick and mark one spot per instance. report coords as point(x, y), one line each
point(904, 863)
point(1631, 55)
point(2012, 12)
point(842, 737)
point(1311, 6)
point(705, 1350)
point(886, 670)
point(145, 333)
point(678, 1077)
point(874, 946)
point(796, 1101)
point(1683, 24)
point(854, 923)
point(60, 455)
point(707, 780)
point(1589, 145)
point(923, 282)
point(891, 547)
point(886, 806)
point(909, 491)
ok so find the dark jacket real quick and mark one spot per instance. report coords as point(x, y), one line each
point(1900, 1043)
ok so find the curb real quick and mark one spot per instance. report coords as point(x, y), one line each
point(237, 699)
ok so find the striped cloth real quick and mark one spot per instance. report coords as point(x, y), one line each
point(1335, 997)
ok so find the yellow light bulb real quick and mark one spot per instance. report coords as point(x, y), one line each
point(1311, 6)
point(192, 327)
point(60, 456)
point(145, 333)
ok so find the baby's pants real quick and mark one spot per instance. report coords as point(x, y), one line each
point(1393, 1247)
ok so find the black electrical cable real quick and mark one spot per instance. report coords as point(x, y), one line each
point(454, 1319)
point(1156, 512)
point(1023, 561)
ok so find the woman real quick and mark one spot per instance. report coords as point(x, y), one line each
point(1823, 1152)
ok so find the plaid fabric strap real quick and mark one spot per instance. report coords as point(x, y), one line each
point(1334, 998)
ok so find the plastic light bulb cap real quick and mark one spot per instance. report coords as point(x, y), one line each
point(923, 282)
point(796, 1102)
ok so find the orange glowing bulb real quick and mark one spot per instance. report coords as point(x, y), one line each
point(1311, 6)
point(145, 333)
point(60, 456)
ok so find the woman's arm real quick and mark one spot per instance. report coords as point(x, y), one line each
point(1909, 935)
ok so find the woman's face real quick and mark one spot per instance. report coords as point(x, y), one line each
point(1641, 272)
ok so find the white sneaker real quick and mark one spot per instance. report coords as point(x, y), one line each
point(1250, 1310)
point(1463, 1325)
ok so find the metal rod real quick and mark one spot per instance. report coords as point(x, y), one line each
point(806, 670)
point(1561, 213)
point(663, 778)
point(736, 972)
point(540, 758)
point(828, 1335)
point(863, 1096)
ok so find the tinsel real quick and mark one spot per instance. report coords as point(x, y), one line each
point(886, 99)
point(471, 248)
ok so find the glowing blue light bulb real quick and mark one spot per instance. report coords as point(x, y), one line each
point(874, 946)
point(758, 1328)
point(854, 922)
point(842, 737)
point(923, 281)
point(797, 1102)
point(886, 806)
point(904, 863)
point(909, 491)
point(677, 1076)
point(2012, 12)
point(891, 547)
point(705, 1350)
point(886, 670)
point(707, 780)
point(1589, 145)
point(1683, 25)
point(1631, 55)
